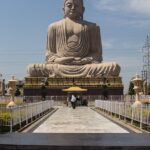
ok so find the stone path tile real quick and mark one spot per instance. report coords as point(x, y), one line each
point(79, 120)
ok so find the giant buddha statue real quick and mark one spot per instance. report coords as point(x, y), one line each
point(74, 48)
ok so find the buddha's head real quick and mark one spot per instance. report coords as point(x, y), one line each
point(74, 9)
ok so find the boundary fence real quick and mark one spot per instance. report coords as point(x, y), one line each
point(23, 114)
point(139, 116)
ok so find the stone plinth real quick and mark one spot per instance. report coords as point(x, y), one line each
point(95, 86)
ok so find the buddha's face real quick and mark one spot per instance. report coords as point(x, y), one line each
point(73, 9)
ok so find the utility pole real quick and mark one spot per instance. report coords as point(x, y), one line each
point(146, 60)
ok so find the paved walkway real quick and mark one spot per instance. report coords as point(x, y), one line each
point(79, 120)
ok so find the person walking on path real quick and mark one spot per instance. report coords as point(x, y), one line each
point(73, 101)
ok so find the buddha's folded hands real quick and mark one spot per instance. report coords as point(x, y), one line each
point(64, 60)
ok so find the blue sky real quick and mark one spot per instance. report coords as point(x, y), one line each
point(23, 27)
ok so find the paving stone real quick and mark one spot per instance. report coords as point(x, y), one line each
point(79, 120)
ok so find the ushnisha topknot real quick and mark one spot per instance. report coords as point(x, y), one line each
point(78, 0)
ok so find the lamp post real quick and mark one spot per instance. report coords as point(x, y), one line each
point(137, 81)
point(11, 91)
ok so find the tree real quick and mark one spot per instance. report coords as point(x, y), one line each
point(148, 89)
point(17, 92)
point(44, 83)
point(131, 89)
point(43, 92)
point(105, 92)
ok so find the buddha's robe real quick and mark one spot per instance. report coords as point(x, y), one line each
point(80, 40)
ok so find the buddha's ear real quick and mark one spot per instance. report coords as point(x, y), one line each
point(83, 9)
point(63, 11)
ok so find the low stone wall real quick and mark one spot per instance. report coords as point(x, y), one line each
point(75, 141)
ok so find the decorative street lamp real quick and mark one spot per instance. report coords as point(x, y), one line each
point(137, 81)
point(11, 91)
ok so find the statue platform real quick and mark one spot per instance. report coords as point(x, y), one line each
point(54, 86)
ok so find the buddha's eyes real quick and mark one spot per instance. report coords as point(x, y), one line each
point(70, 5)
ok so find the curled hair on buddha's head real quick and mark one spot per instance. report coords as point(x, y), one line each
point(82, 3)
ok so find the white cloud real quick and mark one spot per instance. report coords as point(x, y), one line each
point(107, 44)
point(129, 62)
point(132, 13)
point(112, 5)
point(140, 6)
point(138, 23)
point(121, 45)
point(136, 6)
